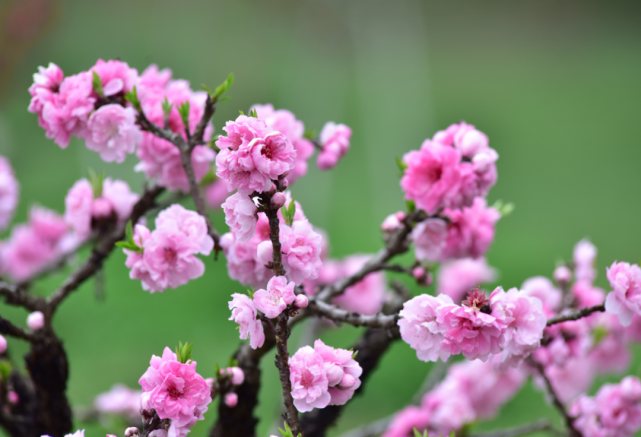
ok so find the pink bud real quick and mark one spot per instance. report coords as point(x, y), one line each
point(13, 397)
point(278, 200)
point(301, 301)
point(101, 207)
point(327, 160)
point(131, 431)
point(347, 381)
point(400, 215)
point(265, 252)
point(283, 184)
point(111, 435)
point(334, 374)
point(3, 344)
point(562, 274)
point(428, 280)
point(231, 399)
point(35, 320)
point(419, 273)
point(237, 375)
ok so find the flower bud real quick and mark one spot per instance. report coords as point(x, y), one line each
point(13, 397)
point(400, 215)
point(283, 184)
point(231, 400)
point(131, 431)
point(3, 344)
point(334, 374)
point(237, 375)
point(265, 252)
point(278, 200)
point(418, 273)
point(35, 320)
point(562, 275)
point(301, 301)
point(348, 381)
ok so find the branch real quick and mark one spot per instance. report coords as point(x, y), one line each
point(541, 425)
point(160, 132)
point(151, 422)
point(208, 113)
point(15, 295)
point(339, 315)
point(102, 250)
point(8, 328)
point(282, 364)
point(274, 236)
point(576, 315)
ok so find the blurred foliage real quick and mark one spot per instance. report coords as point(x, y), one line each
point(555, 85)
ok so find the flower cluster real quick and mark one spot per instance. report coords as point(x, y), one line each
point(175, 391)
point(334, 139)
point(120, 400)
point(8, 193)
point(615, 411)
point(625, 298)
point(471, 391)
point(323, 376)
point(510, 323)
point(456, 277)
point(165, 258)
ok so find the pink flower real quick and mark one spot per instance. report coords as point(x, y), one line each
point(243, 263)
point(275, 299)
point(273, 155)
point(309, 380)
point(562, 275)
point(393, 222)
point(301, 247)
point(241, 132)
point(457, 277)
point(301, 301)
point(136, 263)
point(406, 420)
point(609, 352)
point(584, 259)
point(78, 208)
point(524, 320)
point(119, 400)
point(471, 230)
point(586, 294)
point(543, 289)
point(175, 391)
point(429, 238)
point(116, 76)
point(432, 179)
point(119, 195)
point(240, 216)
point(420, 327)
point(335, 141)
point(342, 372)
point(47, 225)
point(112, 132)
point(367, 295)
point(191, 224)
point(216, 193)
point(36, 320)
point(625, 298)
point(237, 375)
point(9, 189)
point(46, 84)
point(3, 344)
point(244, 313)
point(449, 408)
point(231, 400)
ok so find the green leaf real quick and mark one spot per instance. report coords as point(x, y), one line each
point(183, 110)
point(209, 178)
point(401, 164)
point(241, 112)
point(452, 433)
point(354, 355)
point(411, 206)
point(224, 99)
point(97, 84)
point(96, 180)
point(598, 334)
point(504, 208)
point(222, 88)
point(217, 371)
point(206, 88)
point(285, 214)
point(129, 232)
point(166, 106)
point(417, 434)
point(5, 369)
point(291, 211)
point(132, 97)
point(310, 134)
point(250, 292)
point(287, 432)
point(253, 113)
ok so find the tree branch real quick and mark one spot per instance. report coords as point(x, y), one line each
point(576, 315)
point(8, 328)
point(282, 364)
point(15, 295)
point(199, 132)
point(339, 315)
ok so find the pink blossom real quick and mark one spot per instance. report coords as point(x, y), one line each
point(36, 320)
point(9, 189)
point(132, 431)
point(119, 400)
point(116, 76)
point(586, 294)
point(244, 313)
point(78, 208)
point(406, 420)
point(119, 195)
point(584, 259)
point(432, 179)
point(231, 400)
point(276, 297)
point(429, 239)
point(449, 408)
point(524, 320)
point(367, 295)
point(216, 193)
point(420, 327)
point(543, 289)
point(237, 375)
point(152, 80)
point(334, 139)
point(112, 132)
point(633, 331)
point(625, 298)
point(393, 222)
point(457, 277)
point(191, 224)
point(240, 216)
point(47, 225)
point(569, 379)
point(309, 380)
point(609, 352)
point(273, 155)
point(562, 275)
point(243, 264)
point(301, 247)
point(13, 397)
point(175, 391)
point(46, 84)
point(3, 344)
point(301, 301)
point(342, 372)
point(136, 263)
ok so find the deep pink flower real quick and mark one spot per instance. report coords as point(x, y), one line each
point(301, 247)
point(543, 289)
point(309, 380)
point(276, 297)
point(342, 372)
point(420, 327)
point(240, 216)
point(367, 295)
point(78, 208)
point(9, 189)
point(406, 420)
point(244, 313)
point(112, 132)
point(175, 391)
point(119, 195)
point(47, 225)
point(119, 400)
point(116, 76)
point(457, 277)
point(335, 141)
point(273, 155)
point(432, 179)
point(625, 298)
point(584, 259)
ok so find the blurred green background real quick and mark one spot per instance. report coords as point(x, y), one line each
point(555, 84)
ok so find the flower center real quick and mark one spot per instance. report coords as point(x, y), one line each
point(174, 393)
point(476, 299)
point(434, 174)
point(307, 379)
point(170, 256)
point(267, 151)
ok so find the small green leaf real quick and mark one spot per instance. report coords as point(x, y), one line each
point(291, 211)
point(206, 88)
point(209, 178)
point(241, 112)
point(250, 293)
point(166, 106)
point(5, 369)
point(411, 206)
point(401, 164)
point(310, 134)
point(354, 355)
point(183, 110)
point(285, 214)
point(253, 113)
point(129, 232)
point(132, 97)
point(224, 99)
point(599, 333)
point(416, 433)
point(504, 208)
point(217, 371)
point(97, 84)
point(452, 433)
point(96, 180)
point(222, 88)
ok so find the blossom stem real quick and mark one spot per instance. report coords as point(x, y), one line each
point(576, 315)
point(282, 363)
point(274, 232)
point(339, 315)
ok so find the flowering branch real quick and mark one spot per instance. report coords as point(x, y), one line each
point(8, 328)
point(151, 422)
point(541, 425)
point(576, 315)
point(282, 363)
point(199, 132)
point(15, 295)
point(339, 315)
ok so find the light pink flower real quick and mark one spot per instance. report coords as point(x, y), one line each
point(342, 372)
point(3, 344)
point(301, 247)
point(9, 189)
point(586, 294)
point(276, 297)
point(189, 223)
point(625, 298)
point(429, 239)
point(237, 375)
point(78, 208)
point(119, 195)
point(175, 391)
point(470, 231)
point(367, 295)
point(136, 263)
point(334, 139)
point(36, 320)
point(112, 132)
point(393, 221)
point(449, 408)
point(243, 264)
point(543, 289)
point(432, 179)
point(420, 327)
point(609, 352)
point(116, 76)
point(309, 380)
point(406, 420)
point(244, 313)
point(273, 155)
point(457, 277)
point(119, 400)
point(46, 84)
point(524, 321)
point(240, 216)
point(562, 275)
point(216, 193)
point(584, 259)
point(47, 225)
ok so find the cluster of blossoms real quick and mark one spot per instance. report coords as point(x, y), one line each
point(472, 390)
point(334, 139)
point(166, 257)
point(120, 400)
point(322, 376)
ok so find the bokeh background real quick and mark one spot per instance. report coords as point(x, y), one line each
point(555, 84)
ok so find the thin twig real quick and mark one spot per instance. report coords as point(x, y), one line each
point(339, 315)
point(282, 363)
point(15, 295)
point(8, 328)
point(576, 315)
point(208, 112)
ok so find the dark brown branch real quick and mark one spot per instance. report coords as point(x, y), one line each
point(274, 232)
point(282, 364)
point(339, 315)
point(576, 315)
point(8, 328)
point(15, 295)
point(101, 251)
point(541, 425)
point(199, 132)
point(164, 133)
point(151, 422)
